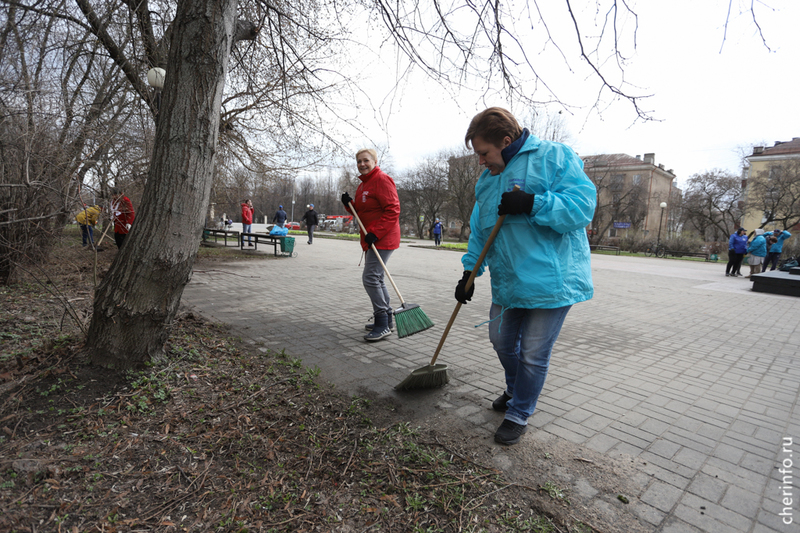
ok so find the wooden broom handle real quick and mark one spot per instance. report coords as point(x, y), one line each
point(471, 279)
point(386, 270)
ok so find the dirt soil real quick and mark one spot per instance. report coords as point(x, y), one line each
point(224, 436)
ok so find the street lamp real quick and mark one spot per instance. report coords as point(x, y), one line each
point(660, 220)
point(155, 77)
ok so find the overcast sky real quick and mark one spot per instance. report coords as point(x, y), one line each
point(711, 93)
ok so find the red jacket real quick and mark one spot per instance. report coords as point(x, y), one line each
point(378, 207)
point(122, 214)
point(247, 214)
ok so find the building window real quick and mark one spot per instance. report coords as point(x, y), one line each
point(617, 182)
point(637, 179)
point(612, 232)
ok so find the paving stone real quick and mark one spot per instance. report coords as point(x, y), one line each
point(662, 496)
point(646, 368)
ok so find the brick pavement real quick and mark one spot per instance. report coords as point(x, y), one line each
point(672, 363)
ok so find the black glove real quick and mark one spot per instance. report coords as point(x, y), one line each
point(346, 200)
point(515, 203)
point(370, 238)
point(462, 295)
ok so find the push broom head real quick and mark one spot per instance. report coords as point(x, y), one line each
point(410, 319)
point(427, 377)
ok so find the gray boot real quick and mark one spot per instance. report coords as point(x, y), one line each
point(380, 328)
point(369, 327)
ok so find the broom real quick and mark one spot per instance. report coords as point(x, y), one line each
point(433, 375)
point(410, 318)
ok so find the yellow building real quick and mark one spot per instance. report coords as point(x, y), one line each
point(630, 191)
point(772, 187)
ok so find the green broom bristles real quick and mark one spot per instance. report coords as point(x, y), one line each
point(427, 377)
point(410, 319)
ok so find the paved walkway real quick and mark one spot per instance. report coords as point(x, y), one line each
point(672, 363)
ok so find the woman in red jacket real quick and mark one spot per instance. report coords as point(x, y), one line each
point(378, 206)
point(122, 214)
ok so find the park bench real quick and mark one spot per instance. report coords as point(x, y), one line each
point(593, 247)
point(676, 253)
point(208, 232)
point(286, 243)
point(259, 238)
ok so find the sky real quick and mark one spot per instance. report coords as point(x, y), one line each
point(712, 93)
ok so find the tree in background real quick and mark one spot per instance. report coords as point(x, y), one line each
point(712, 204)
point(423, 193)
point(64, 115)
point(462, 175)
point(776, 193)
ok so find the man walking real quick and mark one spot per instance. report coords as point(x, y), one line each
point(280, 217)
point(312, 220)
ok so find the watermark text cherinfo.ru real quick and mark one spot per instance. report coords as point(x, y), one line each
point(786, 488)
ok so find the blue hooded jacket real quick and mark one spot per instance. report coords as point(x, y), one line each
point(758, 247)
point(540, 260)
point(778, 246)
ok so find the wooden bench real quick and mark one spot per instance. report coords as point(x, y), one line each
point(261, 238)
point(676, 253)
point(208, 232)
point(593, 247)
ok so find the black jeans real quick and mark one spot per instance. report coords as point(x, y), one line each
point(773, 258)
point(734, 265)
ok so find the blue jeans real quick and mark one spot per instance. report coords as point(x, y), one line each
point(87, 236)
point(247, 228)
point(523, 340)
point(372, 278)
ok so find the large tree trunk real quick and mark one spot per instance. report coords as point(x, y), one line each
point(137, 300)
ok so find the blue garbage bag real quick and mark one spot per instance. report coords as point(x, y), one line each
point(277, 230)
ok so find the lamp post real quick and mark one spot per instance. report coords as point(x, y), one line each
point(660, 220)
point(155, 77)
point(292, 219)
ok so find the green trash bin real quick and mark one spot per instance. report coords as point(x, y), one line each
point(287, 245)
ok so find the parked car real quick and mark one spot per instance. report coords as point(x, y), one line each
point(292, 225)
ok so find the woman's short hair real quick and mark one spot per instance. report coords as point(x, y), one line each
point(493, 125)
point(370, 151)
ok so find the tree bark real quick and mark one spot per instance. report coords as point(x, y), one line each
point(138, 298)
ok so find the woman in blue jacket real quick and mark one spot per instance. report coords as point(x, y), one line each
point(756, 252)
point(774, 252)
point(737, 247)
point(539, 262)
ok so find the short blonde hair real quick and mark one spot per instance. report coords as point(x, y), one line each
point(370, 151)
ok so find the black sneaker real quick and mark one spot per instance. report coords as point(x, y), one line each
point(509, 432)
point(380, 329)
point(500, 404)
